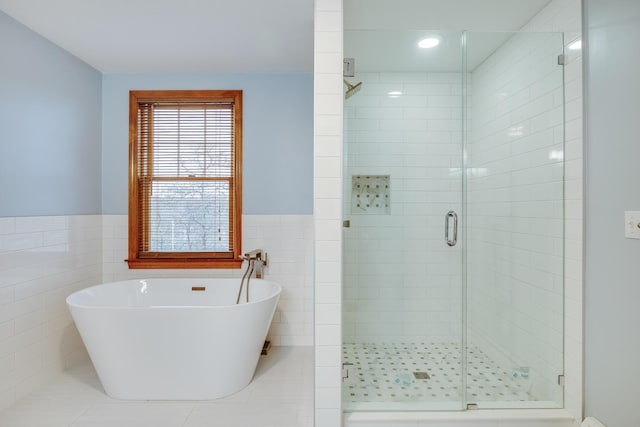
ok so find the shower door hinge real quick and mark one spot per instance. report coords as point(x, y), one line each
point(347, 372)
point(561, 380)
point(562, 60)
point(472, 406)
point(346, 223)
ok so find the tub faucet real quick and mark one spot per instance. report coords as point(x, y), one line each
point(256, 256)
point(259, 257)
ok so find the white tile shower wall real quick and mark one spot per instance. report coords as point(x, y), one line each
point(516, 133)
point(401, 280)
point(288, 240)
point(42, 261)
point(328, 98)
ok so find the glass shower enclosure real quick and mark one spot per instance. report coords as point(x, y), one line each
point(453, 234)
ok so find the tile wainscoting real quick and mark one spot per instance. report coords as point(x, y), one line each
point(288, 240)
point(44, 259)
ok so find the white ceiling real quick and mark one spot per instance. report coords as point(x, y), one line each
point(390, 50)
point(471, 15)
point(176, 35)
point(400, 24)
point(137, 36)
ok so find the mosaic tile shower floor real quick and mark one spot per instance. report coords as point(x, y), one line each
point(389, 372)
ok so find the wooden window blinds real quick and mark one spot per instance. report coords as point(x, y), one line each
point(185, 179)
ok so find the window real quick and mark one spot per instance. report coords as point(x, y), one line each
point(185, 179)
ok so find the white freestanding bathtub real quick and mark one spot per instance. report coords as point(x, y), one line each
point(174, 339)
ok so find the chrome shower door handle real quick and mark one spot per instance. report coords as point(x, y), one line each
point(447, 226)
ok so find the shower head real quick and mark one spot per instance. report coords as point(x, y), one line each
point(351, 89)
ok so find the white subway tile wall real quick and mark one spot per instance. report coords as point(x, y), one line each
point(288, 241)
point(42, 261)
point(402, 283)
point(328, 101)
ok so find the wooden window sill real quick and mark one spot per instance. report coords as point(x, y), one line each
point(175, 263)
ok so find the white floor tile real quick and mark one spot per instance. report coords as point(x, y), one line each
point(281, 394)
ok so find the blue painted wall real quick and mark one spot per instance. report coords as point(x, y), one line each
point(277, 136)
point(50, 118)
point(612, 176)
point(64, 131)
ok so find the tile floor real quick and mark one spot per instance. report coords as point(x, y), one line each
point(281, 395)
point(384, 372)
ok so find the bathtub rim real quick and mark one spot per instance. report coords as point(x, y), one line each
point(75, 305)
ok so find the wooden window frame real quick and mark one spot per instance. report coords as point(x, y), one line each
point(181, 260)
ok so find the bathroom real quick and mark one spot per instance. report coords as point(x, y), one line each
point(60, 240)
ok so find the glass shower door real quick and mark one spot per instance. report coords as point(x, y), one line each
point(402, 283)
point(453, 274)
point(514, 220)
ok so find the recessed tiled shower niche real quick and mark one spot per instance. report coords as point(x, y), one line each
point(371, 194)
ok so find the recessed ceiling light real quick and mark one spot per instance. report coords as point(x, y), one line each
point(429, 42)
point(576, 45)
